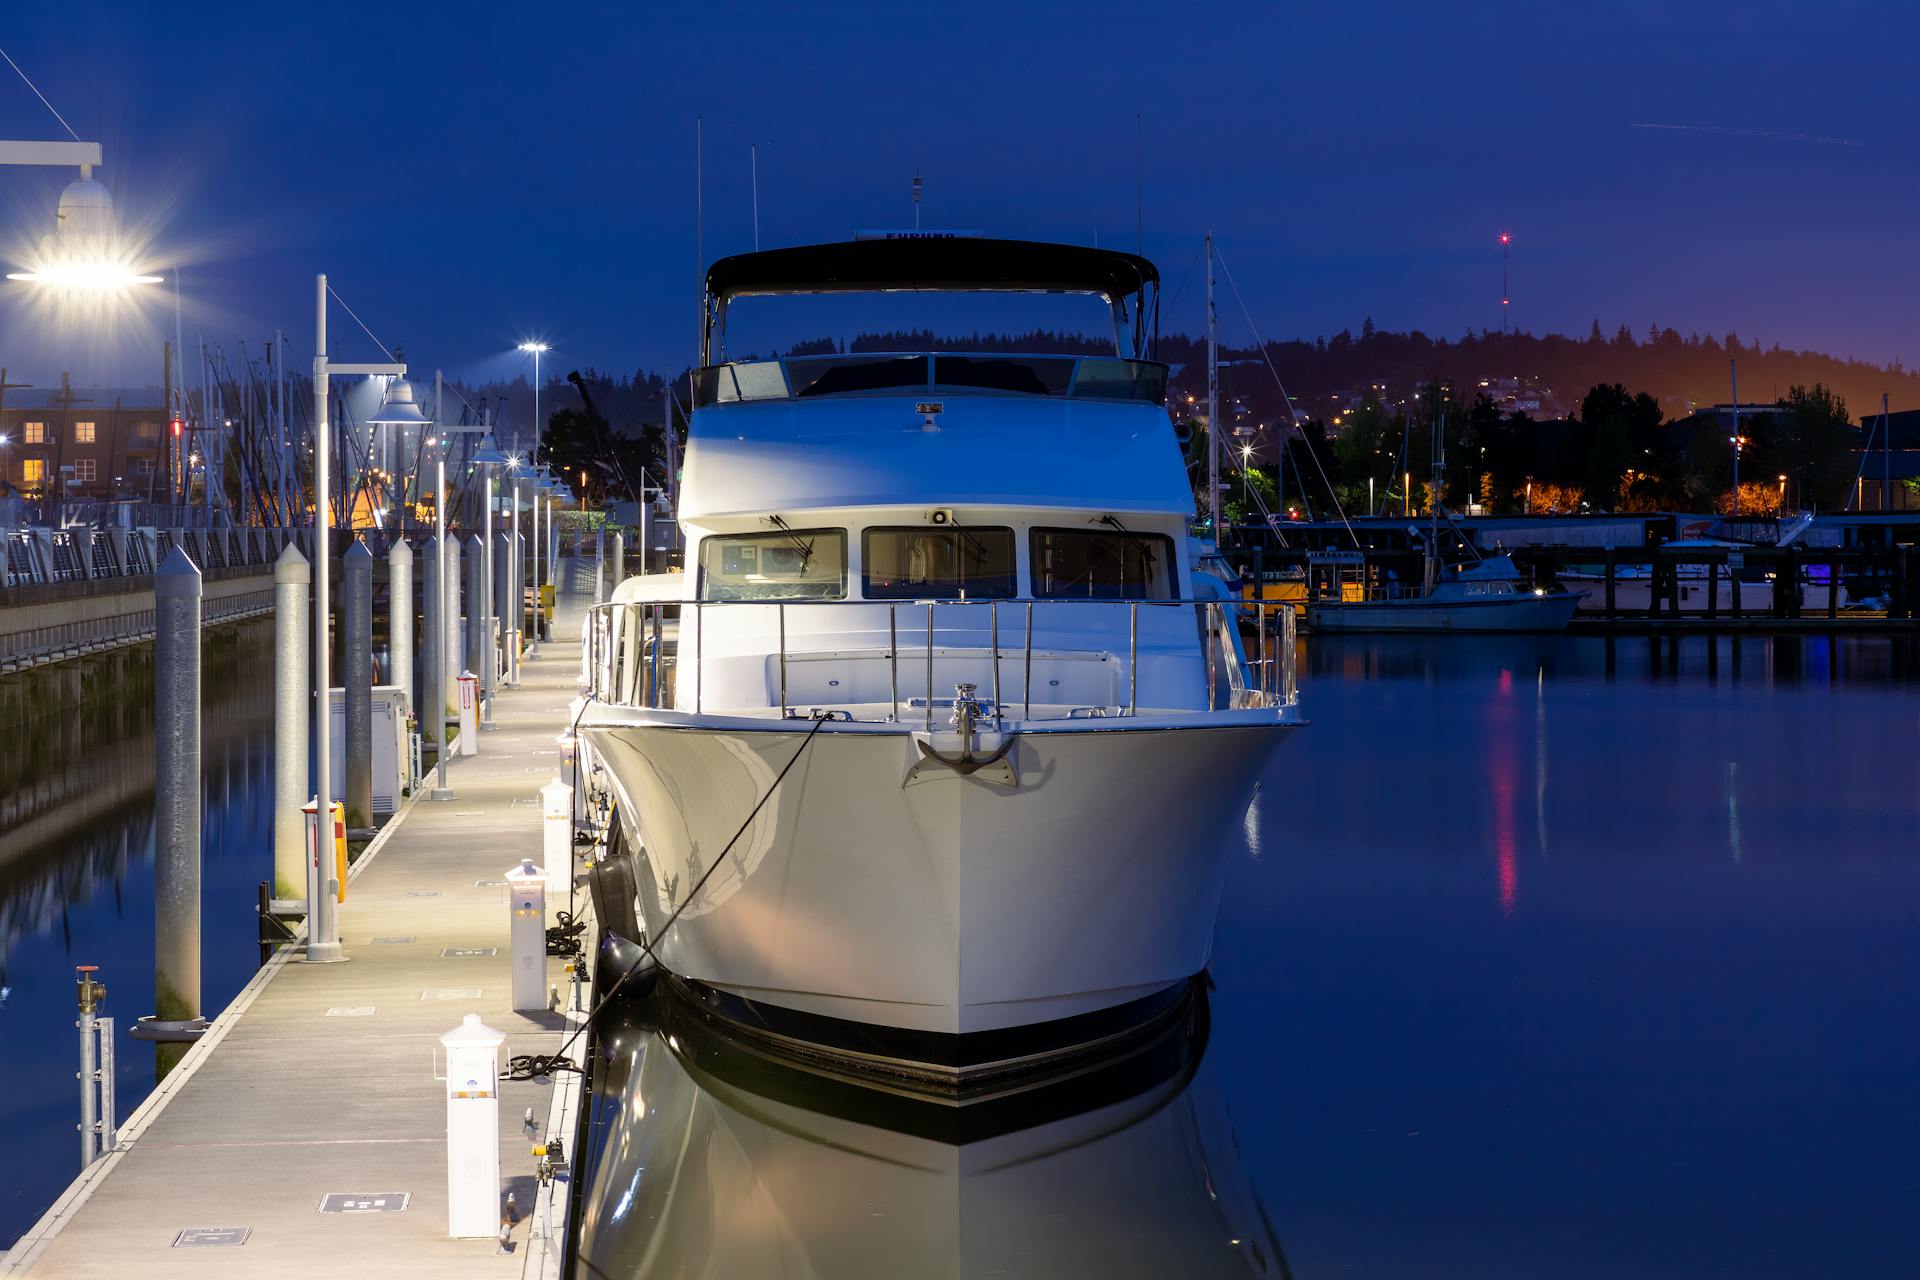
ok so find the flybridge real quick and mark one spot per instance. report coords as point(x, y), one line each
point(1128, 283)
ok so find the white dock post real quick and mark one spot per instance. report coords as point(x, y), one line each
point(356, 678)
point(400, 615)
point(619, 561)
point(527, 933)
point(502, 588)
point(556, 827)
point(455, 664)
point(292, 700)
point(473, 1129)
point(479, 604)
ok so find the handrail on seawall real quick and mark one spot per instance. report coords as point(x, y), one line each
point(627, 663)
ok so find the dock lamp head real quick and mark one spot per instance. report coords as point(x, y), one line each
point(85, 255)
point(399, 409)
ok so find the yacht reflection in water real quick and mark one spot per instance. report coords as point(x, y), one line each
point(705, 1159)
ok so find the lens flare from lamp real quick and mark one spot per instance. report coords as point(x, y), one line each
point(82, 276)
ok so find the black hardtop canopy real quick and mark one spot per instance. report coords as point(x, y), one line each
point(946, 263)
point(951, 264)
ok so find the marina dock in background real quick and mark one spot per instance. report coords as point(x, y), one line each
point(307, 1131)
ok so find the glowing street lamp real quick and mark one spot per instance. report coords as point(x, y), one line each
point(1738, 442)
point(536, 350)
point(84, 255)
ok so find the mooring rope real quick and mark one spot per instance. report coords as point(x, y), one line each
point(526, 1066)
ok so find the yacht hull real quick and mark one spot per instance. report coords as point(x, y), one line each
point(866, 891)
point(1497, 613)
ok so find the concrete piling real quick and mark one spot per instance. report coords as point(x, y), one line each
point(400, 615)
point(455, 661)
point(430, 708)
point(292, 701)
point(356, 678)
point(503, 602)
point(176, 803)
point(479, 604)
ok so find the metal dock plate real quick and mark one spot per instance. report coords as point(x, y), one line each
point(365, 1202)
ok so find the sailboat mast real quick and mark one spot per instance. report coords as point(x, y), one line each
point(1213, 402)
point(1434, 489)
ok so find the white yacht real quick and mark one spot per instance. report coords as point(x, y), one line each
point(951, 742)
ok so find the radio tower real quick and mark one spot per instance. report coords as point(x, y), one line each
point(1505, 241)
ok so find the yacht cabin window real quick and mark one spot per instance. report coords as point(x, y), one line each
point(937, 562)
point(1102, 564)
point(796, 564)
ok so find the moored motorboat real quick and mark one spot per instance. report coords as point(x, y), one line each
point(952, 742)
point(1487, 595)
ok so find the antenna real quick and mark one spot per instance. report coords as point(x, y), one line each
point(917, 187)
point(699, 266)
point(1505, 241)
point(1139, 179)
point(753, 159)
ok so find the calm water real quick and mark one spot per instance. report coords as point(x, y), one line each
point(1543, 958)
point(1546, 963)
point(76, 878)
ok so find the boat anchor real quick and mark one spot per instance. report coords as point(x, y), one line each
point(967, 712)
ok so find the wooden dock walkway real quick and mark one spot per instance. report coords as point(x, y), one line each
point(319, 1079)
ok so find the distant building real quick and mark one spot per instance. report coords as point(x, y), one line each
point(1522, 395)
point(1889, 464)
point(92, 442)
point(1724, 412)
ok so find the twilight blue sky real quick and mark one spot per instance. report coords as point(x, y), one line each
point(473, 173)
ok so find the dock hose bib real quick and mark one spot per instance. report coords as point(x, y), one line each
point(529, 1066)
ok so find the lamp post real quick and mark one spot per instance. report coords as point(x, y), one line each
point(323, 928)
point(1783, 493)
point(1738, 442)
point(536, 350)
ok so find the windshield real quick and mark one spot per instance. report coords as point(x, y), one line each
point(935, 562)
point(1099, 564)
point(800, 564)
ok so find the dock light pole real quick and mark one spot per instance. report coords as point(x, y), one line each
point(323, 925)
point(536, 350)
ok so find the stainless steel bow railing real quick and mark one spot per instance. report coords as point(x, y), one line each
point(628, 661)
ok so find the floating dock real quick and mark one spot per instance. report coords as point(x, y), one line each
point(306, 1133)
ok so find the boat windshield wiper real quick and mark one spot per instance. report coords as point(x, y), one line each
point(803, 545)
